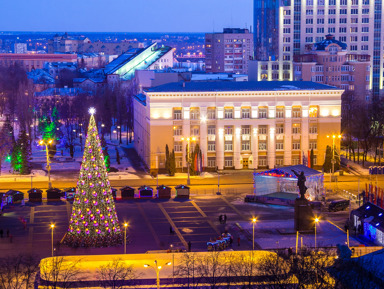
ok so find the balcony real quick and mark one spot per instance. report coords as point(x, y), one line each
point(211, 137)
point(245, 137)
point(228, 137)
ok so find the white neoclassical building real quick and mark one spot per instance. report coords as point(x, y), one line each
point(238, 125)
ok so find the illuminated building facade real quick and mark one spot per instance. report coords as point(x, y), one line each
point(229, 51)
point(238, 125)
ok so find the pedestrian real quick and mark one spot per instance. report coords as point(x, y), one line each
point(7, 233)
point(238, 241)
point(170, 230)
point(189, 246)
point(10, 238)
point(220, 217)
point(1, 233)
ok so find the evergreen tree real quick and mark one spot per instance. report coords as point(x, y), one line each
point(107, 158)
point(21, 154)
point(327, 166)
point(312, 157)
point(167, 168)
point(6, 141)
point(172, 164)
point(93, 221)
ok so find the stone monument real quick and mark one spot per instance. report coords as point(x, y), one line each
point(304, 218)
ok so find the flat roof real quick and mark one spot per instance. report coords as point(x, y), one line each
point(241, 86)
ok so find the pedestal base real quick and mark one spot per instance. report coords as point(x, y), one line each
point(304, 218)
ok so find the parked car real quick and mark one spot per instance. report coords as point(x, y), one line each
point(69, 193)
point(339, 205)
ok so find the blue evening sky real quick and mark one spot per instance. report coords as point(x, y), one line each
point(124, 15)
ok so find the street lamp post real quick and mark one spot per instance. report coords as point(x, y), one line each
point(46, 143)
point(119, 127)
point(52, 227)
point(81, 141)
point(254, 220)
point(333, 153)
point(157, 270)
point(188, 139)
point(316, 221)
point(125, 237)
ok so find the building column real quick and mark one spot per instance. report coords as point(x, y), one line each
point(220, 147)
point(305, 132)
point(271, 147)
point(237, 148)
point(186, 133)
point(255, 147)
point(288, 137)
point(203, 135)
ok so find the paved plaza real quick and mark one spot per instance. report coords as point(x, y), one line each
point(195, 220)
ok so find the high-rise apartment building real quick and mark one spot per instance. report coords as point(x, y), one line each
point(358, 23)
point(229, 51)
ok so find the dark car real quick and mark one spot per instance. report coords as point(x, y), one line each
point(339, 205)
point(69, 193)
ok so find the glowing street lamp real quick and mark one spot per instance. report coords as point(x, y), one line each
point(157, 269)
point(254, 220)
point(188, 139)
point(52, 227)
point(125, 237)
point(46, 143)
point(334, 136)
point(317, 220)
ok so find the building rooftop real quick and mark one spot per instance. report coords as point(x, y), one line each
point(371, 214)
point(240, 86)
point(71, 91)
point(329, 39)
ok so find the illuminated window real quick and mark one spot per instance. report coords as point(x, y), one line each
point(195, 113)
point(296, 145)
point(296, 112)
point(211, 162)
point(177, 130)
point(211, 113)
point(228, 162)
point(178, 146)
point(280, 112)
point(263, 112)
point(313, 110)
point(176, 113)
point(228, 113)
point(296, 128)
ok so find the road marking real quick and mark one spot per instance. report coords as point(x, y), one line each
point(32, 215)
point(234, 208)
point(173, 226)
point(149, 224)
point(205, 216)
point(336, 226)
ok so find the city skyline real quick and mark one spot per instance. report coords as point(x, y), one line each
point(164, 16)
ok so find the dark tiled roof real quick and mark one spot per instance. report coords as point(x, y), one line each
point(240, 86)
point(327, 41)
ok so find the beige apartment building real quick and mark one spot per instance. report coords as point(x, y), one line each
point(238, 125)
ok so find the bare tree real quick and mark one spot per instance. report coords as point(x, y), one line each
point(187, 269)
point(116, 274)
point(56, 272)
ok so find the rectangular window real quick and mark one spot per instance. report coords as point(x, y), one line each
point(364, 38)
point(343, 29)
point(354, 29)
point(320, 20)
point(228, 130)
point(309, 39)
point(353, 38)
point(195, 130)
point(309, 21)
point(279, 128)
point(245, 146)
point(228, 162)
point(176, 113)
point(331, 20)
point(313, 129)
point(211, 162)
point(279, 146)
point(296, 145)
point(296, 160)
point(280, 112)
point(228, 146)
point(179, 162)
point(211, 113)
point(343, 12)
point(313, 145)
point(365, 11)
point(245, 129)
point(286, 30)
point(332, 2)
point(343, 20)
point(177, 130)
point(365, 20)
point(320, 29)
point(354, 11)
point(332, 11)
point(308, 30)
point(296, 112)
point(296, 128)
point(262, 129)
point(364, 29)
point(211, 130)
point(331, 29)
point(354, 20)
point(263, 113)
point(195, 113)
point(262, 146)
point(228, 113)
point(262, 161)
point(211, 146)
point(279, 161)
point(245, 112)
point(309, 12)
point(178, 146)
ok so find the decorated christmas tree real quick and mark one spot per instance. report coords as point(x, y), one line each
point(93, 221)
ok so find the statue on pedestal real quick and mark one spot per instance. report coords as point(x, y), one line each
point(301, 183)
